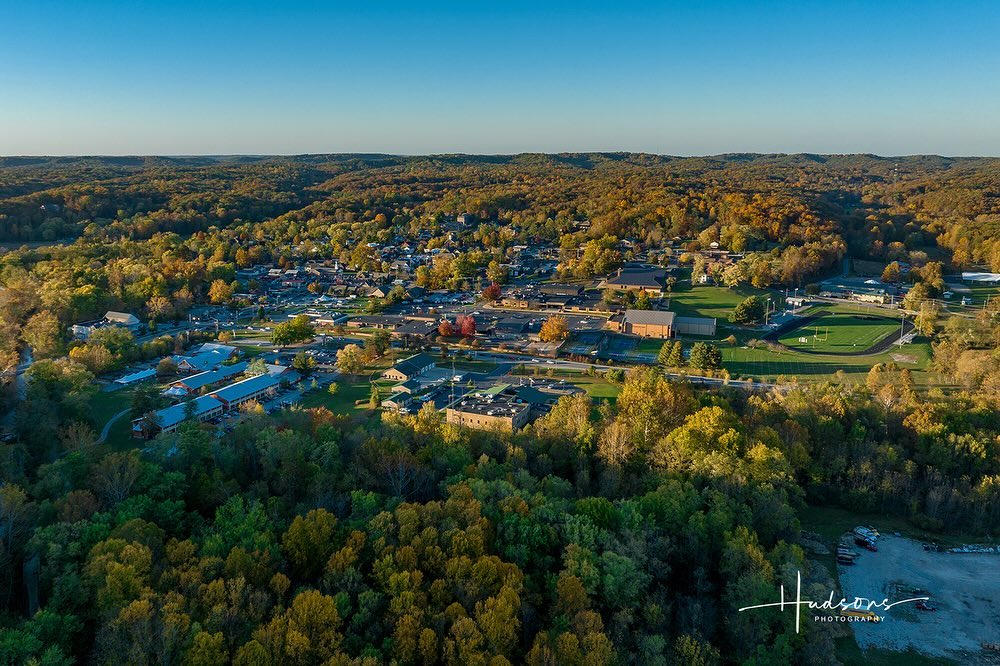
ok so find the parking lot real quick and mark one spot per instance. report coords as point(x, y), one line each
point(964, 588)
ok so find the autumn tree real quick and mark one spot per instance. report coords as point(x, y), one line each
point(554, 329)
point(351, 360)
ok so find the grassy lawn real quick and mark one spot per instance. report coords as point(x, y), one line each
point(343, 402)
point(104, 405)
point(708, 301)
point(472, 366)
point(648, 346)
point(840, 332)
point(978, 293)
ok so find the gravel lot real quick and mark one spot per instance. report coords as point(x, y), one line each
point(965, 588)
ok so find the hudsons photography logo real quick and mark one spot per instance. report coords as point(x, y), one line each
point(858, 609)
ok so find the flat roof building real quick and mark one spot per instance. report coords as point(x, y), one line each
point(497, 408)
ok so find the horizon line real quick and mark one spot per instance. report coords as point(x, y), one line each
point(488, 154)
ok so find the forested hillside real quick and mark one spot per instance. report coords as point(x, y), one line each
point(874, 204)
point(315, 538)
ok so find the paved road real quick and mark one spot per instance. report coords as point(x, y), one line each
point(576, 365)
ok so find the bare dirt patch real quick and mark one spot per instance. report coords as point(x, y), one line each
point(965, 589)
point(904, 358)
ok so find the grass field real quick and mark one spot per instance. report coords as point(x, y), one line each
point(343, 403)
point(648, 346)
point(763, 363)
point(707, 301)
point(104, 405)
point(840, 332)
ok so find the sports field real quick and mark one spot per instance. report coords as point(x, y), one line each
point(766, 364)
point(839, 332)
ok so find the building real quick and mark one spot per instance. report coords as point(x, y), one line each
point(694, 326)
point(498, 408)
point(512, 327)
point(206, 357)
point(415, 329)
point(644, 280)
point(135, 377)
point(167, 420)
point(554, 289)
point(644, 323)
point(84, 330)
point(194, 384)
point(254, 388)
point(981, 278)
point(388, 322)
point(410, 368)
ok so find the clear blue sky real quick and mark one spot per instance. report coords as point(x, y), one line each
point(490, 76)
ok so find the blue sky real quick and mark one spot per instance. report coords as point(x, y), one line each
point(692, 78)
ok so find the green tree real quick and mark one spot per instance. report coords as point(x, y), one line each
point(43, 333)
point(750, 310)
point(705, 356)
point(308, 542)
point(304, 364)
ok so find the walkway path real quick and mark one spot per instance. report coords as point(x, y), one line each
point(107, 426)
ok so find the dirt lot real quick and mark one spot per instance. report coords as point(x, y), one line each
point(965, 588)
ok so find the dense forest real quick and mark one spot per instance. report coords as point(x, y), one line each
point(877, 206)
point(314, 538)
point(608, 532)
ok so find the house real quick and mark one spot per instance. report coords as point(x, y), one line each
point(167, 420)
point(643, 280)
point(84, 330)
point(644, 323)
point(415, 291)
point(410, 368)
